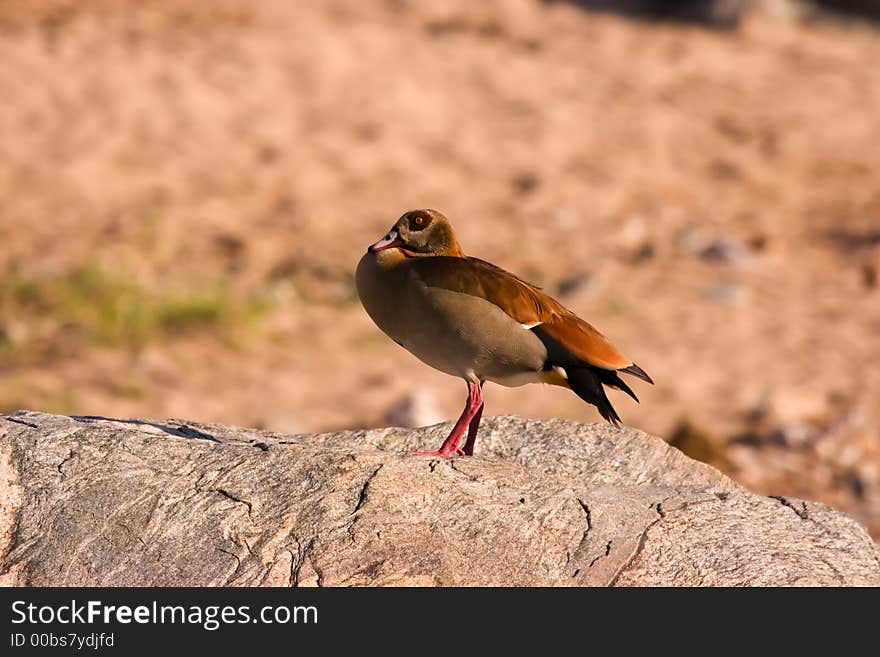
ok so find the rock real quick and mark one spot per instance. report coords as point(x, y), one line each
point(525, 183)
point(95, 501)
point(634, 240)
point(793, 416)
point(573, 283)
point(728, 293)
point(716, 13)
point(724, 251)
point(870, 274)
point(784, 11)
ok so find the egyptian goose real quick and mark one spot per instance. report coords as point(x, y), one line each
point(471, 319)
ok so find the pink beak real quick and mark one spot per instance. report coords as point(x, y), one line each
point(390, 241)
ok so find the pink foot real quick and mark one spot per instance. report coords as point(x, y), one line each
point(472, 411)
point(458, 452)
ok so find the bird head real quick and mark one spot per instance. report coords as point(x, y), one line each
point(420, 233)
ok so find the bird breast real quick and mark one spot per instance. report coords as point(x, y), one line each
point(454, 332)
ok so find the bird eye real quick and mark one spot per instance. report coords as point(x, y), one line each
point(419, 221)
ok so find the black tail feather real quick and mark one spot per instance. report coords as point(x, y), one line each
point(586, 382)
point(637, 371)
point(610, 379)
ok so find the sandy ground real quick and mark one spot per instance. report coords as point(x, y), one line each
point(708, 199)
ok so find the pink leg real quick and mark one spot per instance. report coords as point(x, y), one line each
point(471, 410)
point(473, 427)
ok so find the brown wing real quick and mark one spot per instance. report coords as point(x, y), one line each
point(523, 302)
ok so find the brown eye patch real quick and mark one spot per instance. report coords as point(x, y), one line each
point(419, 221)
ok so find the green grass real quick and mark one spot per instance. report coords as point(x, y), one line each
point(93, 305)
point(60, 402)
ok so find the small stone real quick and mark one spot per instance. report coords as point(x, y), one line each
point(634, 240)
point(798, 435)
point(415, 409)
point(726, 293)
point(572, 284)
point(869, 276)
point(526, 183)
point(789, 407)
point(724, 250)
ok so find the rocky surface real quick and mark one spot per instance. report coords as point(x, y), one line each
point(707, 198)
point(96, 501)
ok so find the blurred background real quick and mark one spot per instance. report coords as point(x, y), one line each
point(186, 188)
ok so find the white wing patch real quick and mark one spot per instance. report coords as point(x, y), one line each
point(531, 326)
